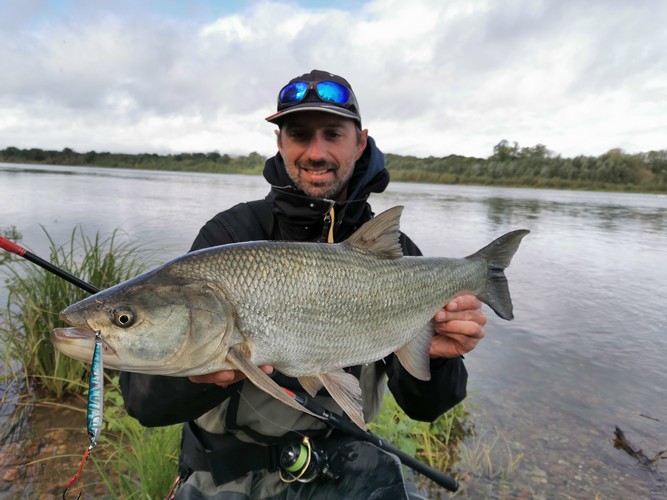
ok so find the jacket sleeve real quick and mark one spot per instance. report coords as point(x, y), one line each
point(427, 400)
point(157, 400)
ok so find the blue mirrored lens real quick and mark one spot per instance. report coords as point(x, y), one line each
point(293, 92)
point(333, 92)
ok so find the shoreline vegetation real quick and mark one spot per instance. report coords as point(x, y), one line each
point(510, 165)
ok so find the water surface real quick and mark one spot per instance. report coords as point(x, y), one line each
point(584, 354)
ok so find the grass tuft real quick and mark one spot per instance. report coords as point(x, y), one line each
point(136, 461)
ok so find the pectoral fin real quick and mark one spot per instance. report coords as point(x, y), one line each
point(414, 356)
point(241, 361)
point(344, 389)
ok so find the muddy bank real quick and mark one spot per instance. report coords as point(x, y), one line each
point(44, 450)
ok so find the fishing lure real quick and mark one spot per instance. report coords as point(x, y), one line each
point(95, 405)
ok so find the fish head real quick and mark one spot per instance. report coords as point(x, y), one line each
point(155, 325)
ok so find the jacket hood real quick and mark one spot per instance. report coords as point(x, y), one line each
point(301, 217)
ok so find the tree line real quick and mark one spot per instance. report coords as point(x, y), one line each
point(212, 162)
point(510, 165)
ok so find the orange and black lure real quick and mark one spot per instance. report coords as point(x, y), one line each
point(95, 406)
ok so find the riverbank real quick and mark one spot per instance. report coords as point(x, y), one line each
point(45, 451)
point(509, 166)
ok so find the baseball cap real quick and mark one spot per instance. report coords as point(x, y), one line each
point(317, 91)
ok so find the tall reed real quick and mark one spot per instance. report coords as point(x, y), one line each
point(35, 298)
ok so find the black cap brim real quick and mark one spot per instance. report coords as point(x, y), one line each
point(313, 106)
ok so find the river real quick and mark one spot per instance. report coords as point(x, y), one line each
point(584, 354)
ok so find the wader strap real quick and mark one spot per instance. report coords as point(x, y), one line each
point(224, 456)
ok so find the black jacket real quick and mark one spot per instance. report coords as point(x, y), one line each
point(159, 400)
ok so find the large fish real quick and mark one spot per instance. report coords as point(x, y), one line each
point(308, 309)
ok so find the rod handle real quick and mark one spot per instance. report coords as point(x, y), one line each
point(12, 247)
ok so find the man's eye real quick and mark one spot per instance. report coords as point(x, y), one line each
point(297, 135)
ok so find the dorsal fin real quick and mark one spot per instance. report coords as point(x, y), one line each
point(379, 235)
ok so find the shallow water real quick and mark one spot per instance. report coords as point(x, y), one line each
point(583, 355)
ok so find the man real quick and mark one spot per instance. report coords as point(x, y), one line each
point(326, 168)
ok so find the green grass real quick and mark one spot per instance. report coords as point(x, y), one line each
point(485, 466)
point(136, 461)
point(434, 443)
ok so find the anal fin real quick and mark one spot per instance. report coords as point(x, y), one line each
point(311, 384)
point(414, 356)
point(345, 390)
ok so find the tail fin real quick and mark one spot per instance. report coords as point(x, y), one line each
point(498, 255)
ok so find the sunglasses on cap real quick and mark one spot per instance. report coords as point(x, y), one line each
point(327, 91)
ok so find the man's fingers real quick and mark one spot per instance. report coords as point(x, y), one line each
point(464, 327)
point(463, 302)
point(446, 321)
point(223, 378)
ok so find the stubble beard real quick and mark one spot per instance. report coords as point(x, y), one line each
point(331, 190)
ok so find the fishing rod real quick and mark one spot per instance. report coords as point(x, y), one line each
point(336, 421)
point(12, 247)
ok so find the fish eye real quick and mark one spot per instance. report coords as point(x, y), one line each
point(123, 317)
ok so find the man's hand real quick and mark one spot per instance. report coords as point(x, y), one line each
point(459, 326)
point(223, 378)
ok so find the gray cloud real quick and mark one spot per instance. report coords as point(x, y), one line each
point(432, 77)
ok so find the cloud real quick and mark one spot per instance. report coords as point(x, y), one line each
point(432, 78)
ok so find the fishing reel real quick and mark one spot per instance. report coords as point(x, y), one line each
point(304, 462)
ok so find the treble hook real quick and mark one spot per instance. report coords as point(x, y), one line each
point(78, 473)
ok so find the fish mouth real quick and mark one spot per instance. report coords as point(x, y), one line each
point(78, 342)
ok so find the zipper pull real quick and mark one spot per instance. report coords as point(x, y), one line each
point(328, 226)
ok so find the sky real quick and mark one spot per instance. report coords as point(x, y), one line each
point(432, 77)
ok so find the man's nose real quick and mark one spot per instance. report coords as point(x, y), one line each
point(316, 148)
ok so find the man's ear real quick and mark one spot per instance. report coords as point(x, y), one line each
point(363, 140)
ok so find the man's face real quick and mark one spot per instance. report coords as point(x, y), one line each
point(320, 150)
